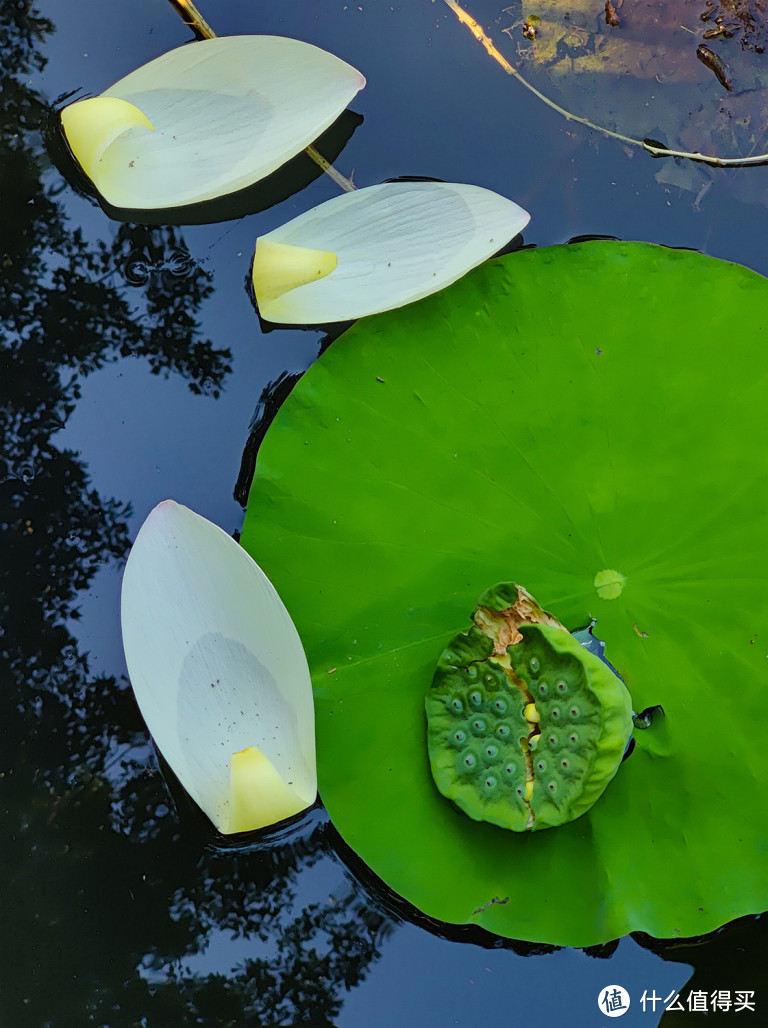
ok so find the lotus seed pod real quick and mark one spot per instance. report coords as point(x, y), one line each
point(528, 735)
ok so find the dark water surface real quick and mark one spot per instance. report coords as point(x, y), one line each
point(132, 362)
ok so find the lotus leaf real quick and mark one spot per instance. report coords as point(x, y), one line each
point(582, 420)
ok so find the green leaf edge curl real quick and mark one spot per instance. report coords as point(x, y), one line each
point(384, 500)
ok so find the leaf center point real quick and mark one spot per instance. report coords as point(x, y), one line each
point(609, 584)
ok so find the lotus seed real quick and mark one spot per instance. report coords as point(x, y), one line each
point(460, 736)
point(469, 760)
point(478, 724)
point(534, 665)
point(561, 686)
point(492, 751)
point(457, 704)
point(543, 688)
point(490, 781)
point(477, 698)
point(502, 731)
point(530, 713)
point(500, 705)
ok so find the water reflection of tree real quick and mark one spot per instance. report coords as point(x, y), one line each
point(99, 880)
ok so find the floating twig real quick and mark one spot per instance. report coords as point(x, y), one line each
point(650, 146)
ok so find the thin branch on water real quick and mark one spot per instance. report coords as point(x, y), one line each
point(645, 144)
point(192, 17)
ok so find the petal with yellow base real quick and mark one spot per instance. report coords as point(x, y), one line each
point(393, 243)
point(226, 112)
point(218, 671)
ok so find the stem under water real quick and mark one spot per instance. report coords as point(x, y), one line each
point(645, 144)
point(192, 17)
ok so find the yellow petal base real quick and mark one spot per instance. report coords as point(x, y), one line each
point(258, 795)
point(92, 125)
point(278, 268)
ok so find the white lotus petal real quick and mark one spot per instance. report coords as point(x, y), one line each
point(226, 112)
point(218, 668)
point(395, 243)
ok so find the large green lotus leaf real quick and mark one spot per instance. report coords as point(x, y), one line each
point(557, 413)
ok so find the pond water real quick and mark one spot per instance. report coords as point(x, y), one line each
point(132, 364)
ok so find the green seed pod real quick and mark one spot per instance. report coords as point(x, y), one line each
point(528, 735)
